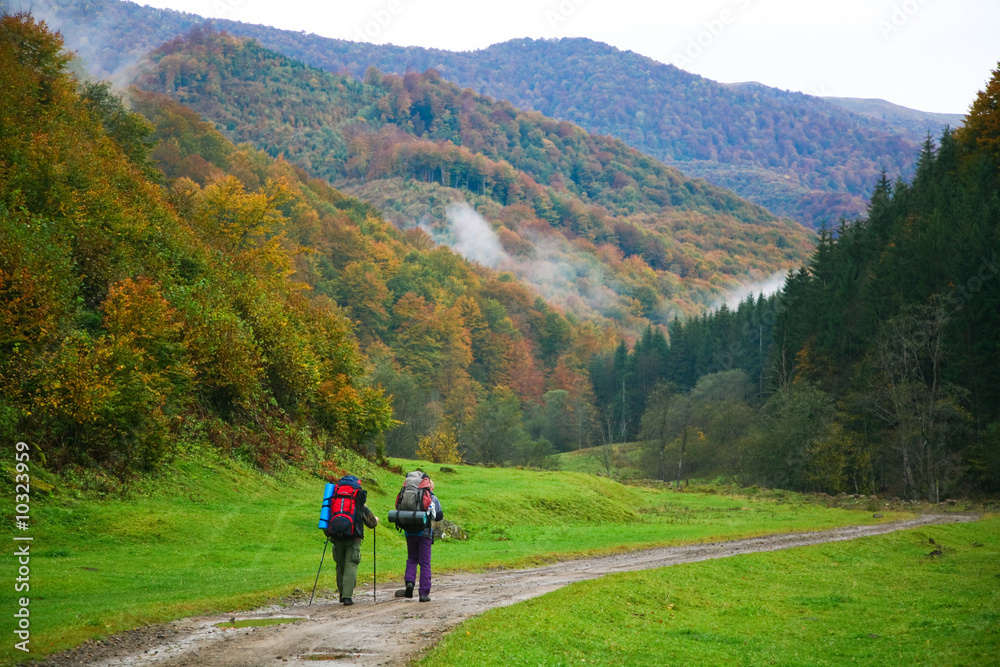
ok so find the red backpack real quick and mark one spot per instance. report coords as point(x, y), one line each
point(343, 505)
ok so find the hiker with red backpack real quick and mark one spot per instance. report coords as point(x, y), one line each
point(345, 526)
point(416, 501)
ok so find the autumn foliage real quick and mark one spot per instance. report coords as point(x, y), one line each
point(635, 240)
point(131, 322)
point(163, 287)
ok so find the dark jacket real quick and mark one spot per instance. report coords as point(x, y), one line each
point(428, 530)
point(362, 515)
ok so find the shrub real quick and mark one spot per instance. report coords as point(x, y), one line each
point(439, 447)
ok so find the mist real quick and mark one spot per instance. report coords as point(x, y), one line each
point(766, 287)
point(560, 273)
point(474, 239)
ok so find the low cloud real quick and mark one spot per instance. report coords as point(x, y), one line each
point(560, 273)
point(767, 287)
point(470, 235)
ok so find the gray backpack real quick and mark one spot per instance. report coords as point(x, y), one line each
point(413, 504)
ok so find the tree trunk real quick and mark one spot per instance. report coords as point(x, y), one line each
point(680, 459)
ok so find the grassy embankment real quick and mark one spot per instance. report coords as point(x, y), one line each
point(626, 463)
point(214, 536)
point(874, 601)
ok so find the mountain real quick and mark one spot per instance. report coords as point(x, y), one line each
point(898, 318)
point(797, 155)
point(163, 288)
point(916, 121)
point(139, 320)
point(793, 153)
point(612, 239)
point(598, 228)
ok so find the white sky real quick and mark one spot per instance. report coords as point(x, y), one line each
point(932, 55)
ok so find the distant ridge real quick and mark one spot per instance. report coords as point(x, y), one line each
point(895, 113)
point(879, 109)
point(602, 230)
point(799, 156)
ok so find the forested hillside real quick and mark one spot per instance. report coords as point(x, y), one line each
point(876, 369)
point(163, 287)
point(898, 316)
point(604, 231)
point(127, 327)
point(799, 156)
point(795, 154)
point(916, 121)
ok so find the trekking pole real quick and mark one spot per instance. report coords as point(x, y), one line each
point(374, 567)
point(317, 571)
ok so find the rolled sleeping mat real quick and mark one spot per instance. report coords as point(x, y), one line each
point(409, 517)
point(324, 510)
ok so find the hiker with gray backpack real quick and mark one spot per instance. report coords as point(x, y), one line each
point(416, 509)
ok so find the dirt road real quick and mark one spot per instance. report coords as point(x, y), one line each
point(389, 631)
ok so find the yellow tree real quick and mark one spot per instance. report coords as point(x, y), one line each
point(234, 220)
point(439, 447)
point(982, 124)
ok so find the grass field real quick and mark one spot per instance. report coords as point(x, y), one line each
point(626, 462)
point(215, 536)
point(874, 601)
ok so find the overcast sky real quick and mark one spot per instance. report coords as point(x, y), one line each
point(932, 55)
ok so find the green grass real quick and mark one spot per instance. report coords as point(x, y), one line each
point(629, 461)
point(257, 622)
point(874, 601)
point(212, 536)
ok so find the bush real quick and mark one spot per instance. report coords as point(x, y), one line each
point(439, 447)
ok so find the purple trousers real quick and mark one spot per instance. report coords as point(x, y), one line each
point(418, 550)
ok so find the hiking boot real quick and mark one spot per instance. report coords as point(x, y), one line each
point(347, 601)
point(405, 592)
point(425, 598)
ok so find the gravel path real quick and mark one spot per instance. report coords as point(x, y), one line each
point(390, 631)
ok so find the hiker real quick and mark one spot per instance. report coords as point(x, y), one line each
point(347, 547)
point(419, 538)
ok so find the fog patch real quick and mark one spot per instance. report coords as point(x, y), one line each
point(560, 273)
point(470, 235)
point(766, 287)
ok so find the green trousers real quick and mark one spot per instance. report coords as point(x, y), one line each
point(347, 555)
